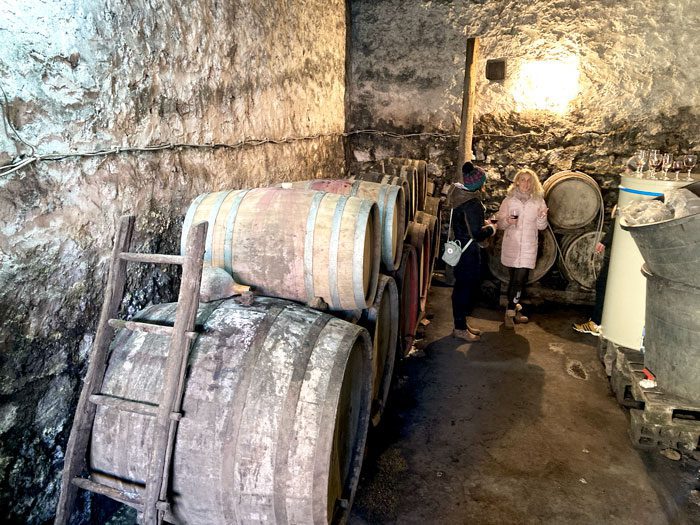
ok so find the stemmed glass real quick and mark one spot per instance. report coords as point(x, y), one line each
point(678, 166)
point(666, 163)
point(654, 163)
point(689, 161)
point(641, 157)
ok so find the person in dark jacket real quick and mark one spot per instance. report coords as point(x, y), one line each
point(468, 224)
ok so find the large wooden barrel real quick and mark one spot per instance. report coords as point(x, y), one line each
point(392, 209)
point(382, 322)
point(382, 178)
point(432, 223)
point(419, 237)
point(573, 198)
point(433, 205)
point(275, 413)
point(294, 244)
point(407, 282)
point(410, 173)
point(579, 262)
point(546, 257)
point(421, 177)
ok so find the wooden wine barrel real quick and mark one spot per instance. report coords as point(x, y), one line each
point(419, 237)
point(421, 177)
point(433, 205)
point(294, 244)
point(407, 283)
point(410, 173)
point(382, 322)
point(573, 198)
point(389, 199)
point(546, 256)
point(382, 178)
point(579, 262)
point(274, 416)
point(431, 222)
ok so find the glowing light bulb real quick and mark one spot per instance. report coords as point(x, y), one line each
point(547, 84)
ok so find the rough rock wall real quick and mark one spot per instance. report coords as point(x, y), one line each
point(638, 86)
point(82, 76)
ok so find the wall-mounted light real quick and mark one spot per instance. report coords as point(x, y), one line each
point(547, 84)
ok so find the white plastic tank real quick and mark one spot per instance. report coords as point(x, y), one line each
point(625, 292)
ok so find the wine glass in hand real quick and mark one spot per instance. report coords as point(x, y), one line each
point(666, 162)
point(689, 161)
point(677, 166)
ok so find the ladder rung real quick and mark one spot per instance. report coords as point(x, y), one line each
point(131, 498)
point(135, 407)
point(155, 258)
point(125, 405)
point(147, 327)
point(142, 327)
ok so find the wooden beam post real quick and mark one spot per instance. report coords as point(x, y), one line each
point(466, 129)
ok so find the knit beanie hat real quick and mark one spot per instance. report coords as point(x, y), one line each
point(473, 176)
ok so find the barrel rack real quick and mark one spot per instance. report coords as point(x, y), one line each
point(151, 502)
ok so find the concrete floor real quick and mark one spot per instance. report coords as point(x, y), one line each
point(520, 427)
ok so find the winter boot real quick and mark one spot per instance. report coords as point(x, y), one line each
point(520, 318)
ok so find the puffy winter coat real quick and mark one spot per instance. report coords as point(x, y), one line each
point(519, 248)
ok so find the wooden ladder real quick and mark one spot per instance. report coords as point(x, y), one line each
point(151, 502)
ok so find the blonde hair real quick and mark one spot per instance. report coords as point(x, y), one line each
point(536, 186)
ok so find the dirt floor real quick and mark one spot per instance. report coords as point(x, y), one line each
point(520, 427)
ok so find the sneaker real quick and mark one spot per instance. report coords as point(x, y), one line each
point(466, 335)
point(589, 327)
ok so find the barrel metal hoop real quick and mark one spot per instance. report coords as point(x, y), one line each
point(309, 246)
point(189, 217)
point(285, 434)
point(230, 223)
point(385, 224)
point(355, 188)
point(209, 247)
point(641, 192)
point(333, 252)
point(361, 224)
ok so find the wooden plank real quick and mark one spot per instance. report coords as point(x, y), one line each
point(155, 258)
point(142, 327)
point(130, 498)
point(76, 449)
point(157, 479)
point(124, 405)
point(466, 129)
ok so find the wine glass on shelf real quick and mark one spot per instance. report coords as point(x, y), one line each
point(678, 166)
point(654, 163)
point(689, 161)
point(666, 163)
point(641, 157)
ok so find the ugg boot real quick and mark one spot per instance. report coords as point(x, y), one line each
point(510, 319)
point(520, 318)
point(473, 330)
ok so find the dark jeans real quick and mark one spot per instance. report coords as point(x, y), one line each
point(600, 284)
point(465, 292)
point(516, 285)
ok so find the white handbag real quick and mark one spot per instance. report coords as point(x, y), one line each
point(452, 250)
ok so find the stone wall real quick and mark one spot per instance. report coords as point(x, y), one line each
point(638, 84)
point(262, 80)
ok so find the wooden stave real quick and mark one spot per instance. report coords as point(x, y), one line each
point(431, 222)
point(419, 237)
point(421, 177)
point(410, 173)
point(305, 496)
point(327, 221)
point(383, 178)
point(500, 272)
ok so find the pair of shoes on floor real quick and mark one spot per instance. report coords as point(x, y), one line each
point(466, 335)
point(589, 327)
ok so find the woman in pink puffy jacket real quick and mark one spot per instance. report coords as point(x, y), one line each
point(522, 213)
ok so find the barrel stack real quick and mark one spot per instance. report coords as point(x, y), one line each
point(282, 387)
